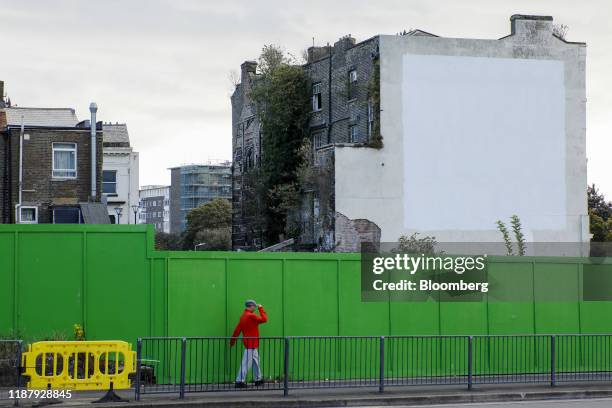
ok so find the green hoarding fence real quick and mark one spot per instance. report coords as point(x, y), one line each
point(109, 279)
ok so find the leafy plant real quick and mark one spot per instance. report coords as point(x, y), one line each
point(515, 221)
point(414, 244)
point(376, 140)
point(79, 333)
point(168, 242)
point(560, 30)
point(506, 236)
point(282, 103)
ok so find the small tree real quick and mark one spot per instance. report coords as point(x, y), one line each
point(281, 99)
point(168, 242)
point(600, 215)
point(210, 224)
point(597, 203)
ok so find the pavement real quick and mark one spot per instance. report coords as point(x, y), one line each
point(579, 403)
point(500, 396)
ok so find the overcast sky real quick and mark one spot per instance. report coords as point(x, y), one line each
point(163, 66)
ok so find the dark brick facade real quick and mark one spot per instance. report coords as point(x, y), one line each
point(346, 108)
point(344, 103)
point(40, 188)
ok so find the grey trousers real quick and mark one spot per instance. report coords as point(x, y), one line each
point(250, 357)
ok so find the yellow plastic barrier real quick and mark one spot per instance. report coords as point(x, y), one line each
point(79, 365)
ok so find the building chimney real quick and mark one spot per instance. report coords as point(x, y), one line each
point(344, 44)
point(317, 53)
point(531, 28)
point(93, 109)
point(247, 67)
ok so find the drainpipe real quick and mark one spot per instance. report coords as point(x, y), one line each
point(329, 97)
point(93, 108)
point(20, 187)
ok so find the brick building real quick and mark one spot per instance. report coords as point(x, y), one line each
point(420, 134)
point(56, 167)
point(343, 112)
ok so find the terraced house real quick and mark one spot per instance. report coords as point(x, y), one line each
point(51, 166)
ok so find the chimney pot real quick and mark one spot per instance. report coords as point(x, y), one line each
point(246, 68)
point(344, 43)
point(528, 25)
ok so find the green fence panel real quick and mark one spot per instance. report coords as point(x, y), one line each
point(117, 276)
point(7, 283)
point(49, 284)
point(358, 318)
point(258, 280)
point(311, 297)
point(196, 297)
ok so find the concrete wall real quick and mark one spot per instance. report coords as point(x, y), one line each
point(475, 131)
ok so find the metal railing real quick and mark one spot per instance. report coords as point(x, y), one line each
point(10, 368)
point(201, 364)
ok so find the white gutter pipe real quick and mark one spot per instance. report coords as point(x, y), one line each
point(93, 108)
point(18, 205)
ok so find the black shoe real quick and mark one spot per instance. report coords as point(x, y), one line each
point(259, 383)
point(240, 385)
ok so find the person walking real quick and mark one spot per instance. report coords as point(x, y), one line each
point(249, 327)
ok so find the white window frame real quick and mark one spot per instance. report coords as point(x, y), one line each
point(352, 76)
point(353, 138)
point(318, 139)
point(29, 207)
point(317, 97)
point(64, 149)
point(370, 118)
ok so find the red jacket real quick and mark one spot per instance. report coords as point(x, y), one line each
point(249, 326)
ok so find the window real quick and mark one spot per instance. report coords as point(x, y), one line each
point(113, 219)
point(370, 119)
point(28, 215)
point(250, 160)
point(352, 94)
point(353, 133)
point(317, 139)
point(64, 160)
point(67, 215)
point(109, 182)
point(353, 112)
point(317, 99)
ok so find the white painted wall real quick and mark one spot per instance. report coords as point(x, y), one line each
point(483, 138)
point(126, 162)
point(474, 131)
